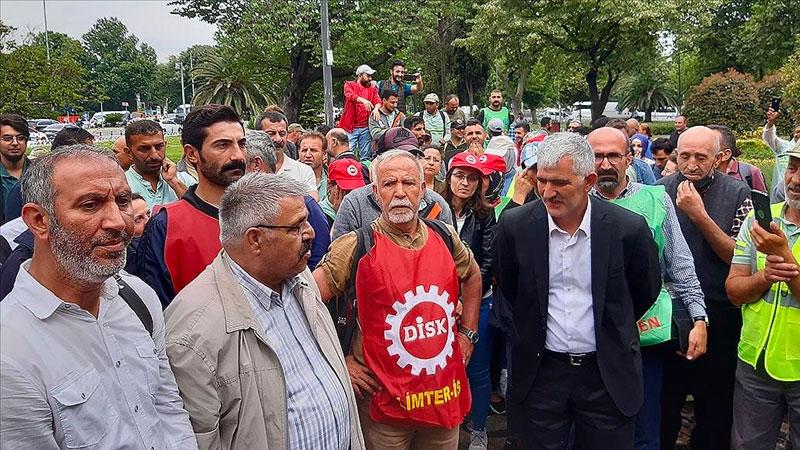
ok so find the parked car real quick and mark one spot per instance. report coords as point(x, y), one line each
point(37, 139)
point(52, 130)
point(99, 118)
point(170, 127)
point(40, 124)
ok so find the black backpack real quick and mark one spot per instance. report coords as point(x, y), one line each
point(344, 308)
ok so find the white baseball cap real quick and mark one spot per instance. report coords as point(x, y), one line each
point(364, 69)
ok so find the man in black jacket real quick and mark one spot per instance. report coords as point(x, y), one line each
point(577, 273)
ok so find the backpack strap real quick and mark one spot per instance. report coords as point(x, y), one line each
point(439, 227)
point(136, 304)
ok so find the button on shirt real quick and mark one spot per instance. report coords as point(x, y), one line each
point(69, 380)
point(570, 317)
point(317, 406)
point(163, 193)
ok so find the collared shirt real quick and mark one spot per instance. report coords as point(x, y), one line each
point(383, 123)
point(677, 263)
point(438, 124)
point(745, 250)
point(756, 178)
point(322, 186)
point(570, 314)
point(317, 405)
point(163, 193)
point(8, 181)
point(71, 380)
point(300, 172)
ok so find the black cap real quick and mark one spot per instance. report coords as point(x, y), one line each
point(457, 123)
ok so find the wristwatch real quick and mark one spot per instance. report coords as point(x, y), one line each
point(471, 335)
point(699, 318)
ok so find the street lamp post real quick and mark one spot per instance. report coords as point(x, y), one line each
point(327, 62)
point(179, 66)
point(46, 33)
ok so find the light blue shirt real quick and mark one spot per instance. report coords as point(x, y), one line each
point(318, 412)
point(163, 193)
point(70, 380)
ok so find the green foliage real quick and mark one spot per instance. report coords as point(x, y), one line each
point(774, 85)
point(218, 81)
point(645, 91)
point(661, 128)
point(112, 119)
point(754, 149)
point(791, 92)
point(119, 67)
point(729, 98)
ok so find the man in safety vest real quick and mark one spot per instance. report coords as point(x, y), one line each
point(765, 280)
point(183, 237)
point(652, 202)
point(495, 110)
point(407, 352)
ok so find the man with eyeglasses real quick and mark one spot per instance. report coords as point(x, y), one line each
point(612, 159)
point(14, 135)
point(254, 353)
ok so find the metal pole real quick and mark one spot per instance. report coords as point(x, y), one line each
point(327, 62)
point(191, 71)
point(179, 66)
point(46, 33)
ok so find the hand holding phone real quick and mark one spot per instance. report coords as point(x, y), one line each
point(776, 104)
point(762, 210)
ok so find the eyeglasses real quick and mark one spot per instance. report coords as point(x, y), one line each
point(7, 138)
point(613, 158)
point(289, 228)
point(461, 177)
point(432, 159)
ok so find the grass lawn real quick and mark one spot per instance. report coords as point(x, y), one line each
point(174, 148)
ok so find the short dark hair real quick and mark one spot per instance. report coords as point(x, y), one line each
point(196, 123)
point(71, 136)
point(324, 128)
point(396, 63)
point(272, 116)
point(600, 122)
point(661, 144)
point(412, 121)
point(472, 122)
point(523, 124)
point(619, 124)
point(144, 127)
point(312, 135)
point(544, 122)
point(386, 93)
point(17, 122)
point(728, 139)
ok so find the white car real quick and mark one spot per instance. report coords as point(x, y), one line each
point(38, 139)
point(170, 127)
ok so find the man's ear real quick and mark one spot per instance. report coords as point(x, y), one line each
point(37, 220)
point(192, 154)
point(254, 241)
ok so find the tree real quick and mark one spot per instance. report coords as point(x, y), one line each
point(645, 91)
point(284, 37)
point(727, 98)
point(119, 66)
point(607, 38)
point(166, 85)
point(223, 83)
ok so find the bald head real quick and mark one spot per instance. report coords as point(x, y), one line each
point(698, 152)
point(337, 142)
point(608, 136)
point(119, 150)
point(633, 126)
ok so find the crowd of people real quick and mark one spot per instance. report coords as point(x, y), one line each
point(393, 280)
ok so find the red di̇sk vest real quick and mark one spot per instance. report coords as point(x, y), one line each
point(192, 242)
point(406, 308)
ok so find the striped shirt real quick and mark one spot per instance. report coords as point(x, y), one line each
point(677, 263)
point(317, 405)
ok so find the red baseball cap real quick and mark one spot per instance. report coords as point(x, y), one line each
point(346, 173)
point(490, 164)
point(465, 159)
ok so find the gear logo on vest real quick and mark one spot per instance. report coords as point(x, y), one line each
point(421, 330)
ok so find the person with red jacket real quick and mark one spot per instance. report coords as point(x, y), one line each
point(360, 98)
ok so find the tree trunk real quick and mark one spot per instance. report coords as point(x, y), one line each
point(522, 82)
point(599, 97)
point(300, 81)
point(470, 94)
point(648, 114)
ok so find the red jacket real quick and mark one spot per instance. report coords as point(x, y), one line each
point(355, 115)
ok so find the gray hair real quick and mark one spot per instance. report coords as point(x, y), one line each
point(36, 182)
point(390, 155)
point(559, 145)
point(253, 200)
point(260, 145)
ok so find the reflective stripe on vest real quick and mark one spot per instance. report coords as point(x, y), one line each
point(773, 326)
point(502, 114)
point(655, 326)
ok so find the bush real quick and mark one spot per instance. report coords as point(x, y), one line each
point(726, 98)
point(112, 119)
point(754, 149)
point(661, 128)
point(775, 86)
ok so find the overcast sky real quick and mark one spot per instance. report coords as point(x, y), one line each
point(149, 20)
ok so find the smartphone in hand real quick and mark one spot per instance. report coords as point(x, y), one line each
point(775, 104)
point(761, 209)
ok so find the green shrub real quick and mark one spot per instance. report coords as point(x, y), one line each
point(112, 119)
point(726, 98)
point(661, 128)
point(775, 86)
point(754, 149)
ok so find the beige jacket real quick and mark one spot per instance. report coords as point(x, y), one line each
point(230, 380)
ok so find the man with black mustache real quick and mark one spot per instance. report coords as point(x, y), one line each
point(151, 174)
point(711, 208)
point(183, 237)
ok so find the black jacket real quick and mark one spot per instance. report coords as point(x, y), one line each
point(626, 279)
point(478, 235)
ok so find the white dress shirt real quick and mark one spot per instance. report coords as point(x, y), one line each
point(298, 171)
point(70, 380)
point(570, 317)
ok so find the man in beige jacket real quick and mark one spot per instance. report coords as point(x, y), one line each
point(253, 349)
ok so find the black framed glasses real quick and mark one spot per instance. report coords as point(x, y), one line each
point(290, 228)
point(7, 138)
point(613, 158)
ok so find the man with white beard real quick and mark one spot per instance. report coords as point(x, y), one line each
point(82, 358)
point(765, 280)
